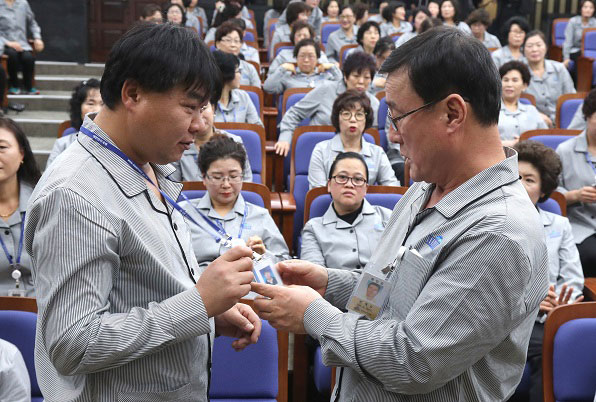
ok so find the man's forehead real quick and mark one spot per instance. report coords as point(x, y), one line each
point(397, 87)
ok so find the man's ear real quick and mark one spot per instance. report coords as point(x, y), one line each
point(130, 93)
point(457, 111)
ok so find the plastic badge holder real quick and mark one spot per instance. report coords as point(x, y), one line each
point(17, 291)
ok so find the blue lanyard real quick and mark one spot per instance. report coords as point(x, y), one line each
point(20, 249)
point(173, 203)
point(220, 225)
point(243, 220)
point(589, 160)
point(223, 115)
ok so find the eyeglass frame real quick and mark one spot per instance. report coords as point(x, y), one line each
point(395, 120)
point(221, 180)
point(350, 179)
point(352, 114)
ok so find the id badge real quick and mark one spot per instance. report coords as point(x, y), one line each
point(370, 296)
point(17, 292)
point(265, 272)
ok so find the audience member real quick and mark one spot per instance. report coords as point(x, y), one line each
point(358, 70)
point(15, 385)
point(228, 39)
point(315, 18)
point(296, 11)
point(346, 235)
point(378, 18)
point(222, 5)
point(539, 169)
point(151, 13)
point(16, 22)
point(434, 8)
point(395, 15)
point(516, 117)
point(351, 115)
point(193, 8)
point(249, 53)
point(360, 13)
point(229, 12)
point(275, 12)
point(578, 121)
point(174, 13)
point(479, 21)
point(191, 20)
point(306, 73)
point(515, 29)
point(19, 173)
point(383, 49)
point(450, 14)
point(300, 30)
point(235, 105)
point(221, 162)
point(367, 37)
point(330, 11)
point(345, 35)
point(420, 15)
point(578, 184)
point(550, 79)
point(575, 29)
point(85, 99)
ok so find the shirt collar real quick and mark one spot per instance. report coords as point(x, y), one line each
point(205, 204)
point(581, 143)
point(340, 87)
point(338, 146)
point(331, 217)
point(498, 175)
point(521, 107)
point(547, 219)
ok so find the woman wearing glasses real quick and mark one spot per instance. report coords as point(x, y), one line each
point(221, 161)
point(351, 228)
point(351, 114)
point(228, 39)
point(515, 30)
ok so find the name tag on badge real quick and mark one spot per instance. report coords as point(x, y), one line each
point(370, 296)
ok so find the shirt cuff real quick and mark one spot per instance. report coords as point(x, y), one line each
point(285, 135)
point(184, 315)
point(317, 317)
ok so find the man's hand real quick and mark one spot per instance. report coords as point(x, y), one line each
point(239, 322)
point(285, 306)
point(256, 244)
point(226, 280)
point(304, 273)
point(553, 300)
point(38, 45)
point(15, 45)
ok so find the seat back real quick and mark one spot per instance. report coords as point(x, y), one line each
point(556, 204)
point(395, 36)
point(558, 31)
point(281, 46)
point(528, 99)
point(290, 98)
point(589, 43)
point(249, 35)
point(567, 105)
point(253, 137)
point(18, 328)
point(326, 29)
point(257, 97)
point(550, 137)
point(382, 117)
point(343, 52)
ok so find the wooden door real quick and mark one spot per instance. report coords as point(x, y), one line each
point(108, 21)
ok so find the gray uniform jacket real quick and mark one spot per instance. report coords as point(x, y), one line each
point(271, 13)
point(578, 122)
point(325, 152)
point(210, 35)
point(331, 242)
point(337, 40)
point(503, 55)
point(282, 79)
point(287, 56)
point(462, 26)
point(10, 230)
point(119, 316)
point(187, 168)
point(405, 37)
point(258, 223)
point(577, 173)
point(250, 53)
point(240, 109)
point(249, 74)
point(16, 22)
point(281, 34)
point(60, 145)
point(387, 28)
point(459, 317)
point(14, 377)
point(315, 18)
point(317, 105)
point(513, 124)
point(573, 35)
point(491, 41)
point(555, 82)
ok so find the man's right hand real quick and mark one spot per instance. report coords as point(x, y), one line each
point(304, 273)
point(226, 280)
point(15, 45)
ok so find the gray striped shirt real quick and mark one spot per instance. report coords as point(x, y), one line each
point(119, 316)
point(458, 320)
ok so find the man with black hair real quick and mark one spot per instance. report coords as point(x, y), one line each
point(125, 313)
point(463, 253)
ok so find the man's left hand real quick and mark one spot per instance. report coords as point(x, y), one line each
point(38, 45)
point(239, 322)
point(285, 306)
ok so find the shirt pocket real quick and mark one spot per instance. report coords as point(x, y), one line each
point(182, 394)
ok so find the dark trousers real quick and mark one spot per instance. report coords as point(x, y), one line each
point(2, 85)
point(398, 168)
point(587, 255)
point(535, 361)
point(574, 57)
point(23, 61)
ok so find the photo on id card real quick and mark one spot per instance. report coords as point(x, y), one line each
point(265, 272)
point(369, 297)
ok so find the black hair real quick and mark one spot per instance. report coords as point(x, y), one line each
point(326, 4)
point(231, 10)
point(307, 42)
point(384, 44)
point(457, 63)
point(150, 9)
point(168, 5)
point(479, 15)
point(365, 27)
point(28, 170)
point(186, 3)
point(227, 63)
point(388, 11)
point(239, 22)
point(521, 22)
point(348, 155)
point(359, 62)
point(227, 28)
point(159, 57)
point(349, 100)
point(589, 106)
point(538, 33)
point(78, 97)
point(518, 66)
point(219, 147)
point(359, 10)
point(545, 160)
point(299, 25)
point(429, 23)
point(279, 5)
point(456, 8)
point(581, 4)
point(294, 10)
point(420, 9)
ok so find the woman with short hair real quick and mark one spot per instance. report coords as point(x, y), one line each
point(450, 14)
point(479, 21)
point(515, 29)
point(395, 15)
point(228, 39)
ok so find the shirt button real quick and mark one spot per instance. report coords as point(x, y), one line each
point(7, 232)
point(351, 230)
point(354, 250)
point(175, 227)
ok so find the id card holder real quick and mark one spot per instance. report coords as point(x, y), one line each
point(265, 272)
point(17, 292)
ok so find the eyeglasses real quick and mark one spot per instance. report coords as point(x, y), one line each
point(231, 41)
point(347, 115)
point(307, 56)
point(346, 17)
point(357, 181)
point(218, 179)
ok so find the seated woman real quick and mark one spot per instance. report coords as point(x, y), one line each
point(274, 12)
point(450, 14)
point(515, 29)
point(235, 105)
point(479, 21)
point(298, 11)
point(330, 11)
point(420, 15)
point(151, 13)
point(248, 53)
point(383, 49)
point(361, 13)
point(345, 35)
point(358, 70)
point(174, 13)
point(305, 73)
point(18, 176)
point(539, 169)
point(228, 39)
point(16, 22)
point(575, 29)
point(221, 160)
point(84, 99)
point(577, 183)
point(300, 30)
point(351, 228)
point(367, 38)
point(351, 115)
point(192, 8)
point(190, 20)
point(395, 14)
point(550, 79)
point(516, 117)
